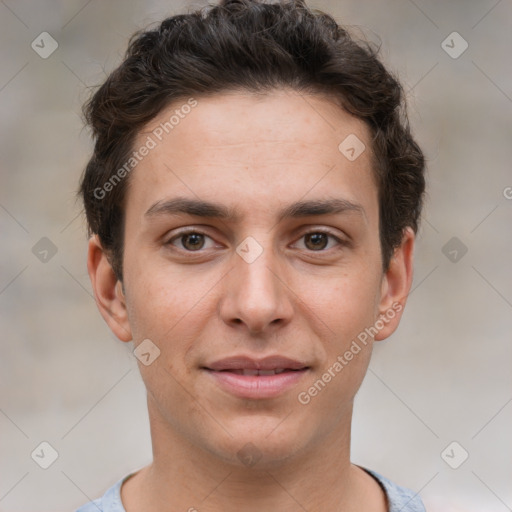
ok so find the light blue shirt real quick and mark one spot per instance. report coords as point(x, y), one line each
point(400, 499)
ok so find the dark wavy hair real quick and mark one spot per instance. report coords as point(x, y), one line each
point(253, 46)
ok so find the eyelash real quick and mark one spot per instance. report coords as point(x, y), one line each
point(342, 243)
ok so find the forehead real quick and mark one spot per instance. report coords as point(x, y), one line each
point(266, 147)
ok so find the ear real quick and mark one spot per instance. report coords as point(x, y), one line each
point(108, 290)
point(396, 284)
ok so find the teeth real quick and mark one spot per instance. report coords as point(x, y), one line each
point(249, 372)
point(261, 372)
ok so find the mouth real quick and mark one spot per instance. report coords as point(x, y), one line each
point(250, 378)
point(250, 372)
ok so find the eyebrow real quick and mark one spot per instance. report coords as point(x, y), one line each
point(207, 209)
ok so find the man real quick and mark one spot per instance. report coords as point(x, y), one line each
point(252, 199)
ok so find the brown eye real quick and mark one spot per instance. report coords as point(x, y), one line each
point(315, 241)
point(193, 241)
point(190, 241)
point(318, 241)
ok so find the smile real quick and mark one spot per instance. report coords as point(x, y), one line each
point(249, 378)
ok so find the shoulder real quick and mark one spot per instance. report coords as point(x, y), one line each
point(109, 502)
point(400, 499)
point(92, 506)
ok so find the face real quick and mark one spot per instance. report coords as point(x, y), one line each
point(252, 261)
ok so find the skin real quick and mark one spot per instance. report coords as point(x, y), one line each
point(301, 298)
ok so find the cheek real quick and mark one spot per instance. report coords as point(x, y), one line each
point(167, 311)
point(159, 297)
point(172, 309)
point(347, 302)
point(347, 306)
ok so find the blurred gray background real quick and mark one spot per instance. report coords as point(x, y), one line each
point(444, 377)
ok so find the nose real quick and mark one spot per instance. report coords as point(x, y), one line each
point(255, 293)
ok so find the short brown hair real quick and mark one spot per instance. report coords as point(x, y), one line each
point(253, 46)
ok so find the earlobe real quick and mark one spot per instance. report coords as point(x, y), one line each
point(396, 285)
point(108, 290)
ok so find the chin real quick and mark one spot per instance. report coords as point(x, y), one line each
point(259, 442)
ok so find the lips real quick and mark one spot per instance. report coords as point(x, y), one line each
point(258, 372)
point(245, 377)
point(271, 363)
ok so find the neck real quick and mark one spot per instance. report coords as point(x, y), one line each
point(186, 477)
